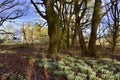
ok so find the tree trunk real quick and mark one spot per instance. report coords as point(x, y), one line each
point(95, 22)
point(61, 42)
point(115, 35)
point(53, 40)
point(79, 29)
point(74, 39)
point(52, 20)
point(82, 43)
point(68, 36)
point(116, 24)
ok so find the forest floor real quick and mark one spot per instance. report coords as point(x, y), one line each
point(19, 62)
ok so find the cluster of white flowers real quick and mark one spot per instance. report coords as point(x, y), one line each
point(77, 68)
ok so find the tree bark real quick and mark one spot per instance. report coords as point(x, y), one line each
point(52, 20)
point(82, 43)
point(79, 28)
point(95, 22)
point(74, 39)
point(68, 36)
point(115, 13)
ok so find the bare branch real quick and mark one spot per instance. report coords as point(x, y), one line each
point(11, 9)
point(38, 10)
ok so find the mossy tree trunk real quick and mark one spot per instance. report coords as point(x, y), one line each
point(95, 23)
point(52, 20)
point(68, 35)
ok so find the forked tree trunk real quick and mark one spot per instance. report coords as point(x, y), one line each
point(79, 29)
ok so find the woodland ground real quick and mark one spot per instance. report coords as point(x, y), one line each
point(17, 63)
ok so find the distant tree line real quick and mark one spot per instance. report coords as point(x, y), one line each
point(33, 34)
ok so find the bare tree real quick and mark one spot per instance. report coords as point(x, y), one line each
point(78, 25)
point(11, 9)
point(112, 21)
